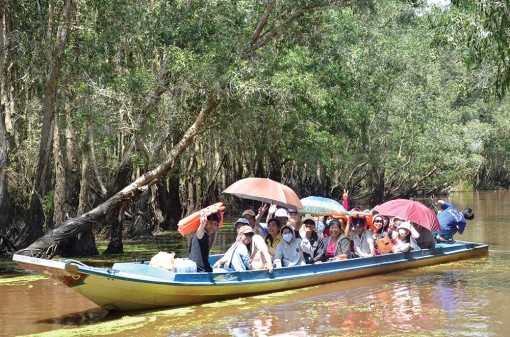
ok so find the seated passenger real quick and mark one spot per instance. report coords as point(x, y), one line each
point(426, 238)
point(336, 246)
point(395, 221)
point(294, 220)
point(273, 238)
point(316, 240)
point(378, 231)
point(282, 215)
point(260, 257)
point(363, 243)
point(382, 243)
point(240, 255)
point(228, 255)
point(289, 251)
point(403, 238)
point(258, 228)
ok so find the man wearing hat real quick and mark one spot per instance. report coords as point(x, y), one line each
point(254, 220)
point(259, 254)
point(282, 215)
point(240, 254)
point(249, 214)
point(316, 241)
point(294, 219)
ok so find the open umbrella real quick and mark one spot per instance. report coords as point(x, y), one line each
point(321, 206)
point(265, 190)
point(410, 210)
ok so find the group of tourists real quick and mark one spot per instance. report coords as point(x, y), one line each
point(286, 239)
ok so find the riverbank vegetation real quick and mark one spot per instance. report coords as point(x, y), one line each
point(118, 119)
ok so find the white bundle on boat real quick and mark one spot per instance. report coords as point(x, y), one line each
point(184, 266)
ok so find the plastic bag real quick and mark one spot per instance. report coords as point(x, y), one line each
point(163, 260)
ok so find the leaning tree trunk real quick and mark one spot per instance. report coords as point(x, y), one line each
point(35, 219)
point(48, 245)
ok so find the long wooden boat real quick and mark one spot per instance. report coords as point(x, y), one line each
point(136, 285)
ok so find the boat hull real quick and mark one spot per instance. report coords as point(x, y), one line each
point(135, 285)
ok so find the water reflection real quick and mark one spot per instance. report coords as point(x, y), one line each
point(431, 303)
point(80, 318)
point(260, 325)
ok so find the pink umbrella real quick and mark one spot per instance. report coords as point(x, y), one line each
point(265, 190)
point(410, 210)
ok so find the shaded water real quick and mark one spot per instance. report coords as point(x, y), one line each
point(466, 298)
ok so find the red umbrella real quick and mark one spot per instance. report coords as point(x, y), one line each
point(410, 210)
point(265, 190)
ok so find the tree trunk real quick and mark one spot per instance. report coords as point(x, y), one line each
point(4, 159)
point(4, 162)
point(114, 221)
point(144, 217)
point(68, 187)
point(169, 202)
point(48, 244)
point(117, 225)
point(67, 164)
point(34, 224)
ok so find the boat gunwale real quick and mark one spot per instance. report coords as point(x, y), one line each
point(287, 273)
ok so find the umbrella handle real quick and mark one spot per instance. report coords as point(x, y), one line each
point(434, 203)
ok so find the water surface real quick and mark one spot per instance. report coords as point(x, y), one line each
point(465, 298)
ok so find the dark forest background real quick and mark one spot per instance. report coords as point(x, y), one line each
point(119, 118)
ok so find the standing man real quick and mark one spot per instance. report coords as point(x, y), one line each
point(452, 221)
point(199, 248)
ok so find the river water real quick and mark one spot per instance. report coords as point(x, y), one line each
point(465, 298)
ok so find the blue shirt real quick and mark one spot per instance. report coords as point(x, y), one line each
point(449, 219)
point(240, 259)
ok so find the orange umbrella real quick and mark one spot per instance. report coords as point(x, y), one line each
point(265, 190)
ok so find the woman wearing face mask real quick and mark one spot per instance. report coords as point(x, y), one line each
point(289, 251)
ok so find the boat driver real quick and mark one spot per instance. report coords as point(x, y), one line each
point(199, 247)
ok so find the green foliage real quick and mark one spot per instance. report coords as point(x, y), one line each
point(372, 97)
point(48, 202)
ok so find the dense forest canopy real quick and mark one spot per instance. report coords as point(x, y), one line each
point(178, 99)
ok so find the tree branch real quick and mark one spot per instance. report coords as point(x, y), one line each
point(271, 35)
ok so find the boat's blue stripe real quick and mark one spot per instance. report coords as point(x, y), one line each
point(155, 276)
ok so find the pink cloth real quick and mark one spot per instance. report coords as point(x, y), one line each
point(330, 251)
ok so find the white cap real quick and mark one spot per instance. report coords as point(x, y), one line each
point(407, 225)
point(308, 217)
point(281, 213)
